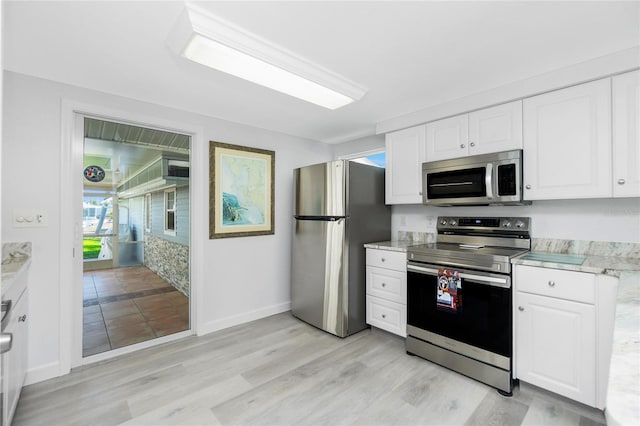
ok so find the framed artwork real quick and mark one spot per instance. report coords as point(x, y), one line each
point(241, 191)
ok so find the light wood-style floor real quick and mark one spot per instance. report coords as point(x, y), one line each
point(281, 371)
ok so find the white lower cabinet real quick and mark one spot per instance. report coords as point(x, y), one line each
point(387, 290)
point(556, 336)
point(556, 346)
point(14, 361)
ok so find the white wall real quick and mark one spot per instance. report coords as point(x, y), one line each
point(595, 220)
point(357, 146)
point(244, 278)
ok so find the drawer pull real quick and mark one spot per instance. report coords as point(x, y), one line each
point(384, 316)
point(384, 284)
point(521, 308)
point(382, 259)
point(23, 318)
point(552, 283)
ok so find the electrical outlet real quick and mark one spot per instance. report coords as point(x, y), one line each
point(431, 223)
point(29, 219)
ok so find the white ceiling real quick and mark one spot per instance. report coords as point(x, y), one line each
point(411, 55)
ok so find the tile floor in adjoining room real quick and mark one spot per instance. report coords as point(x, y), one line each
point(129, 305)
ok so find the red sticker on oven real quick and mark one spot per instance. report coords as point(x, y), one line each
point(449, 295)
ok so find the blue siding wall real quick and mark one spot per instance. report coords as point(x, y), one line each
point(182, 216)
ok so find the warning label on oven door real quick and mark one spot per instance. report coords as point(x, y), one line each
point(449, 295)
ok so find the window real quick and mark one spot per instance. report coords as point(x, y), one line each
point(147, 212)
point(170, 211)
point(371, 158)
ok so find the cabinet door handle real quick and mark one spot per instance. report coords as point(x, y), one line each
point(23, 318)
point(461, 145)
point(528, 186)
point(6, 307)
point(472, 144)
point(6, 340)
point(521, 308)
point(552, 283)
point(621, 181)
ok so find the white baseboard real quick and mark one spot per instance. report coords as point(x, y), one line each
point(219, 324)
point(42, 373)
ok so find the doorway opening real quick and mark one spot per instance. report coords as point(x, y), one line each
point(136, 235)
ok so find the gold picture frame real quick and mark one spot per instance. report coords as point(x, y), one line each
point(241, 191)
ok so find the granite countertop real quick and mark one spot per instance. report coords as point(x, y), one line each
point(16, 258)
point(400, 246)
point(607, 265)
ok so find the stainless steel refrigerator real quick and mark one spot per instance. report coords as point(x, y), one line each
point(338, 207)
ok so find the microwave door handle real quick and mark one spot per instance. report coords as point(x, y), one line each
point(488, 180)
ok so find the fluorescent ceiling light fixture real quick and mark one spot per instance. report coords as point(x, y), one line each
point(208, 40)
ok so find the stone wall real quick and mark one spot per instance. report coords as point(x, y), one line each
point(169, 260)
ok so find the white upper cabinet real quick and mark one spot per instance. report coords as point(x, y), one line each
point(488, 130)
point(567, 143)
point(496, 129)
point(626, 135)
point(405, 153)
point(447, 138)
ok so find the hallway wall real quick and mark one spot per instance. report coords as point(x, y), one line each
point(231, 292)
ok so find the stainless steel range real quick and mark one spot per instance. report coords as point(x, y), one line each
point(459, 297)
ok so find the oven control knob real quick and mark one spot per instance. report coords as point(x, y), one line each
point(506, 224)
point(519, 224)
point(443, 222)
point(453, 222)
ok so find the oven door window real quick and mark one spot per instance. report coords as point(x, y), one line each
point(484, 319)
point(457, 184)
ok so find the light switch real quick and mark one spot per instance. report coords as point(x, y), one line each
point(29, 218)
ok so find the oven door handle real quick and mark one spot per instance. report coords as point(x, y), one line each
point(480, 279)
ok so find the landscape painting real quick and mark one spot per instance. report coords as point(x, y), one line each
point(241, 191)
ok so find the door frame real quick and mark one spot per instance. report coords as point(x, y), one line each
point(72, 149)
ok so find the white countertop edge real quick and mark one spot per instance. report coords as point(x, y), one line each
point(9, 277)
point(399, 246)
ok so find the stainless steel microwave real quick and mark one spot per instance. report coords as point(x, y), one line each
point(476, 180)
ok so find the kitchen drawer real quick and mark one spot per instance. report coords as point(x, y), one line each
point(387, 284)
point(395, 260)
point(387, 315)
point(568, 285)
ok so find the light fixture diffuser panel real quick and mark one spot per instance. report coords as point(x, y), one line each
point(210, 41)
